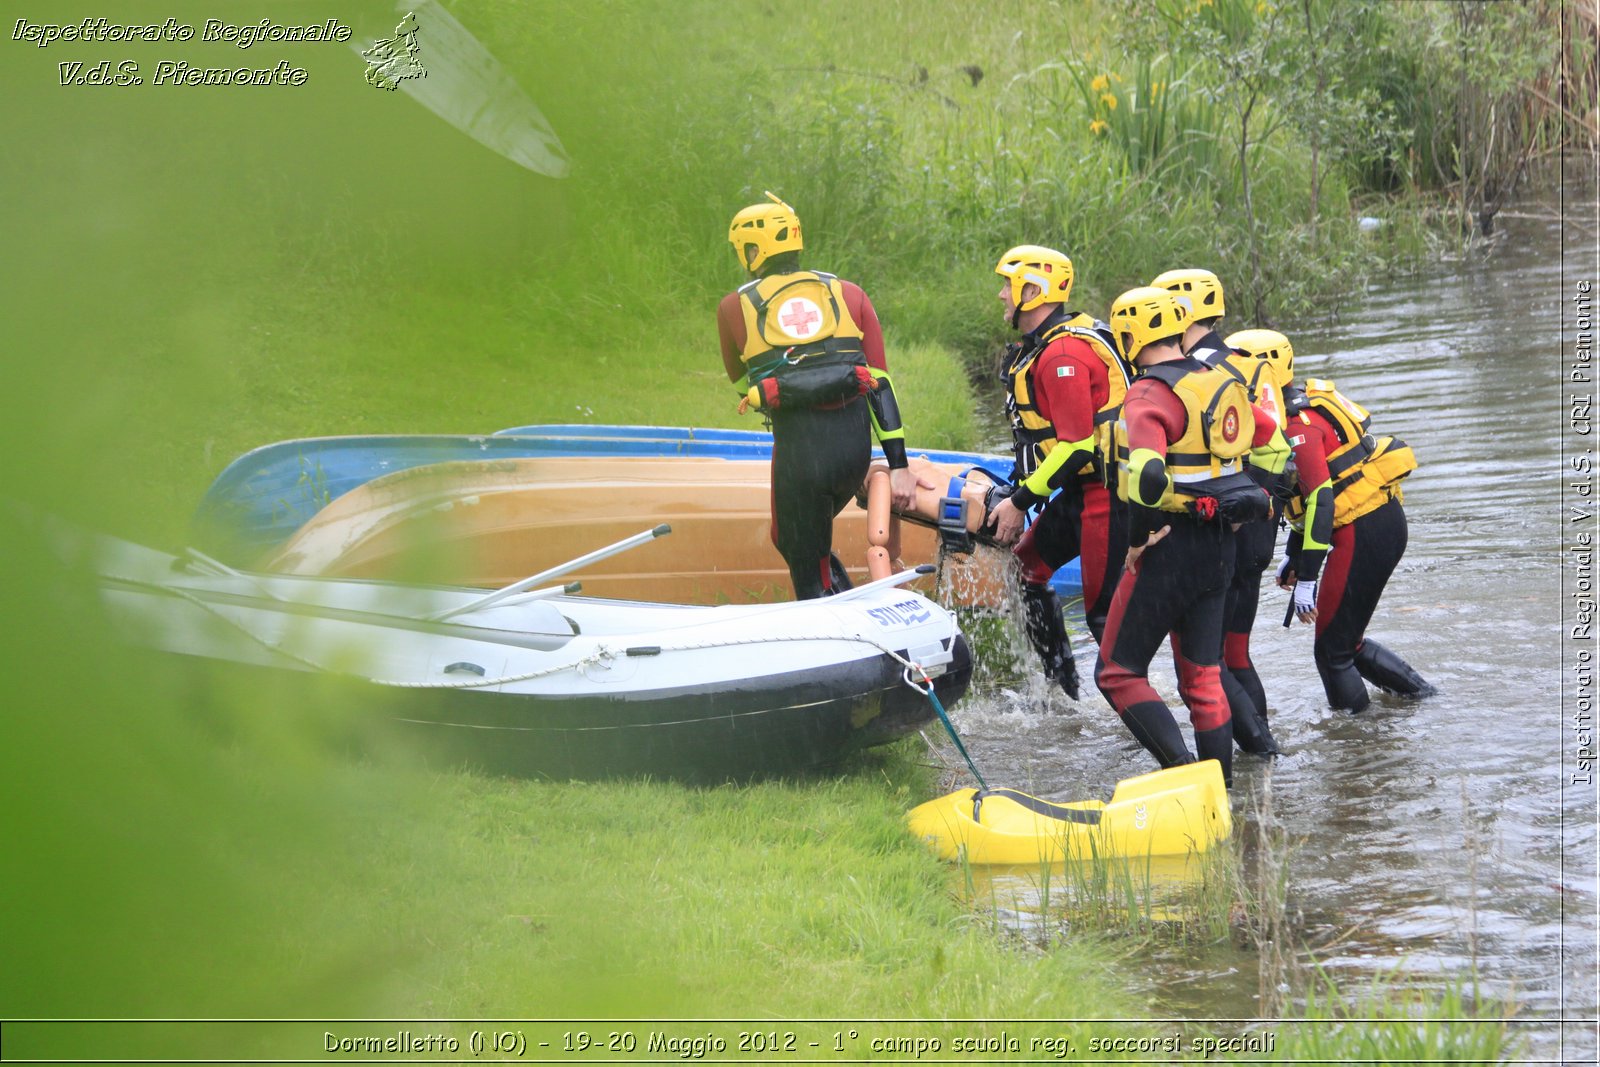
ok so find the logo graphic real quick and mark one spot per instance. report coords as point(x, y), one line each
point(800, 317)
point(1230, 426)
point(392, 61)
point(905, 613)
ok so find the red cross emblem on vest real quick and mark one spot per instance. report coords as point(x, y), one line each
point(1230, 425)
point(800, 317)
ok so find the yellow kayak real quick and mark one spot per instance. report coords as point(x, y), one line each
point(1174, 812)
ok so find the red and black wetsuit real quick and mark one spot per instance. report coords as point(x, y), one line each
point(1069, 384)
point(1177, 591)
point(1352, 573)
point(819, 454)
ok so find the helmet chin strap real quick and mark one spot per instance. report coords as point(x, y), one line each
point(1016, 316)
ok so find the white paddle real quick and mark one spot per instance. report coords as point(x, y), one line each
point(554, 572)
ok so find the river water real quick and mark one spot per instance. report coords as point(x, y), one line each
point(1429, 838)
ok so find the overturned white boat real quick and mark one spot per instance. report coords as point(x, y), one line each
point(544, 683)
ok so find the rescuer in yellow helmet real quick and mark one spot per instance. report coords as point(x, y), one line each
point(1347, 529)
point(805, 348)
point(1254, 542)
point(1064, 383)
point(1181, 442)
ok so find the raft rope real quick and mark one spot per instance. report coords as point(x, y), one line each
point(602, 654)
point(944, 718)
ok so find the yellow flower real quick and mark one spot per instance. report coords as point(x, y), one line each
point(1157, 87)
point(1115, 76)
point(1098, 127)
point(1109, 100)
point(1261, 8)
point(1100, 84)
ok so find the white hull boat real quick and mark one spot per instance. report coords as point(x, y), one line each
point(544, 683)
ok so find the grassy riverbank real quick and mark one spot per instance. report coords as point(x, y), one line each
point(197, 272)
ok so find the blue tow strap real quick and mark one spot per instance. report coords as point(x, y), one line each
point(955, 736)
point(950, 503)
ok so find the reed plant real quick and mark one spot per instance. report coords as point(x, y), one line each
point(1395, 1019)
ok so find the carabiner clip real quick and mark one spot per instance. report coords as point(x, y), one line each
point(905, 676)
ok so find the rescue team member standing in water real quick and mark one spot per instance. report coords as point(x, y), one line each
point(1253, 542)
point(1348, 514)
point(806, 349)
point(1184, 432)
point(1064, 385)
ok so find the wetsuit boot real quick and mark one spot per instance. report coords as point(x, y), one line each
point(838, 577)
point(1340, 679)
point(1153, 726)
point(1217, 744)
point(1048, 636)
point(1249, 725)
point(1389, 672)
point(1250, 681)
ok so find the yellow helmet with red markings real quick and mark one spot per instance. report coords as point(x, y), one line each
point(1044, 267)
point(1145, 315)
point(1202, 288)
point(1271, 346)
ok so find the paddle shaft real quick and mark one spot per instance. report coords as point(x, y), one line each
point(555, 572)
point(898, 578)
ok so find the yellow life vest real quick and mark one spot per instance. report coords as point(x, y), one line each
point(1365, 470)
point(796, 319)
point(1219, 428)
point(1035, 435)
point(1265, 393)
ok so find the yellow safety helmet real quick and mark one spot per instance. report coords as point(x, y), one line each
point(1271, 346)
point(762, 231)
point(1148, 314)
point(1200, 286)
point(1045, 267)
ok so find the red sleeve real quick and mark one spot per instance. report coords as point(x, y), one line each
point(866, 317)
point(1070, 384)
point(1307, 434)
point(1155, 418)
point(730, 331)
point(1265, 425)
point(1154, 414)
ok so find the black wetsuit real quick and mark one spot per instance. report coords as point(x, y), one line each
point(820, 454)
point(819, 460)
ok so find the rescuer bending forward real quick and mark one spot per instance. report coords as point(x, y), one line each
point(1064, 386)
point(1348, 532)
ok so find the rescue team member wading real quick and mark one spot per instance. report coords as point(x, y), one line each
point(806, 349)
point(1184, 432)
point(1348, 513)
point(1253, 542)
point(1064, 386)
